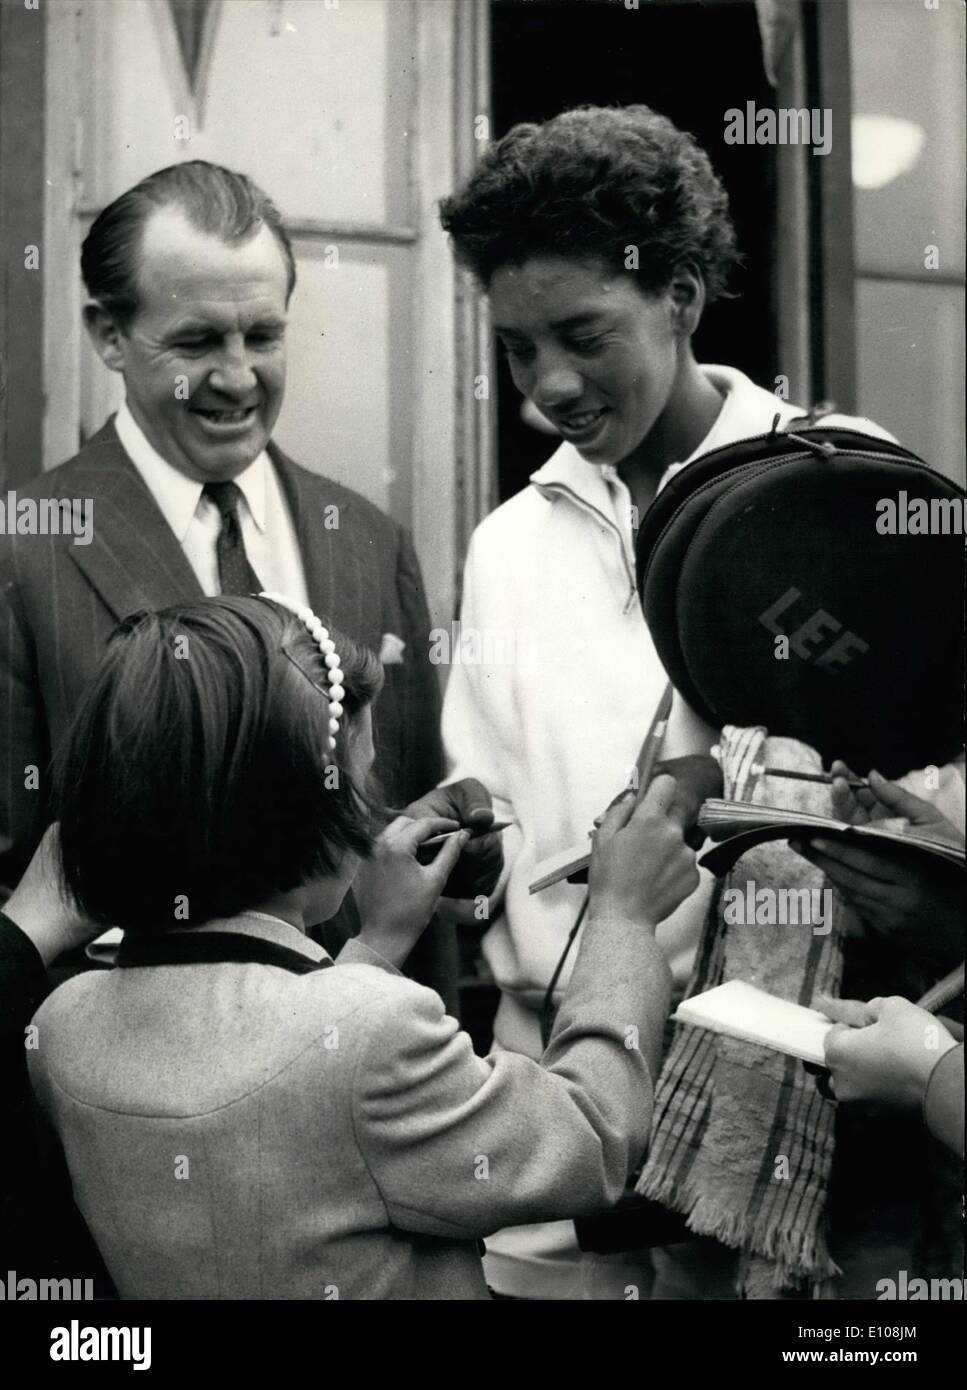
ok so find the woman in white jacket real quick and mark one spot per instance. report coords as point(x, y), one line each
point(599, 237)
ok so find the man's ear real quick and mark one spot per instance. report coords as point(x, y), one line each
point(105, 334)
point(687, 292)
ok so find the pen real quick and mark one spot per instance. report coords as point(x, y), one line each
point(475, 833)
point(943, 991)
point(857, 783)
point(760, 770)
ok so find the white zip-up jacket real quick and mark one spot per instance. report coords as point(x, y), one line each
point(559, 688)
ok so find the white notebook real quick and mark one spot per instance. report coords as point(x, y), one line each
point(742, 1011)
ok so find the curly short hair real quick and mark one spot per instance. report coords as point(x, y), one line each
point(591, 183)
point(197, 772)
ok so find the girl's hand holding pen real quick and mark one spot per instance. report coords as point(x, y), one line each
point(697, 776)
point(641, 868)
point(468, 804)
point(395, 894)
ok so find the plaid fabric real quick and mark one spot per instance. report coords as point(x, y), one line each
point(743, 1142)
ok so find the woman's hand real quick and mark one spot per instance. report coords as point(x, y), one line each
point(917, 906)
point(641, 868)
point(883, 1050)
point(39, 908)
point(395, 894)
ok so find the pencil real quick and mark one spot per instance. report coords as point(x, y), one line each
point(475, 834)
point(943, 992)
point(648, 753)
point(857, 783)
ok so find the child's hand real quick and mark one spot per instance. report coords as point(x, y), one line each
point(395, 894)
point(468, 803)
point(641, 868)
point(883, 1050)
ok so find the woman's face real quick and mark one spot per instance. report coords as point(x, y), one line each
point(595, 355)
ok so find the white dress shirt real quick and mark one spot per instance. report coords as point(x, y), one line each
point(267, 528)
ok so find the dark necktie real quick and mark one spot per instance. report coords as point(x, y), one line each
point(235, 574)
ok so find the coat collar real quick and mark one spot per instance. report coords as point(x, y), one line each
point(251, 938)
point(567, 472)
point(339, 563)
point(747, 410)
point(135, 561)
point(268, 929)
point(176, 494)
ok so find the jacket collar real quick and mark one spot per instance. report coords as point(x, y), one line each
point(747, 410)
point(268, 928)
point(339, 562)
point(176, 494)
point(134, 560)
point(567, 472)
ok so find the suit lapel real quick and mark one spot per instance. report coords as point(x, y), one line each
point(340, 566)
point(134, 560)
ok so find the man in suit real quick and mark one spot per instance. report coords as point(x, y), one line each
point(182, 493)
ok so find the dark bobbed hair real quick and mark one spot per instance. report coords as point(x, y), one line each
point(214, 199)
point(590, 183)
point(196, 780)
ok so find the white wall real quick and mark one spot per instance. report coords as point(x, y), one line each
point(907, 64)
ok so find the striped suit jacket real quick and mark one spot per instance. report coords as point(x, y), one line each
point(59, 602)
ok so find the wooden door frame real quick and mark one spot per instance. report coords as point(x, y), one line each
point(22, 289)
point(454, 443)
point(814, 265)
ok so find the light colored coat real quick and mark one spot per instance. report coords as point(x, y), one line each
point(238, 1131)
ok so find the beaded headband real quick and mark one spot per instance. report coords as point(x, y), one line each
point(320, 635)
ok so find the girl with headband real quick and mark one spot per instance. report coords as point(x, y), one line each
point(239, 1118)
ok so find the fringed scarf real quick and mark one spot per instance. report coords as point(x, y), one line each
point(742, 1143)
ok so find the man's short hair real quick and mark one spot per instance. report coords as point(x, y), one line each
point(197, 780)
point(214, 199)
point(595, 183)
